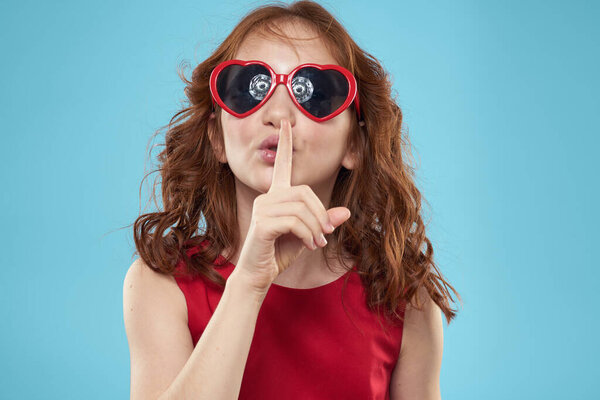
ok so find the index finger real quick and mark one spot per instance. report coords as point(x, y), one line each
point(282, 169)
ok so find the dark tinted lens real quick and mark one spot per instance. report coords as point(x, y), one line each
point(320, 92)
point(242, 87)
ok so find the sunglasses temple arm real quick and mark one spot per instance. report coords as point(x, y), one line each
point(213, 103)
point(357, 106)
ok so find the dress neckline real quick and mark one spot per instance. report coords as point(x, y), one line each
point(326, 285)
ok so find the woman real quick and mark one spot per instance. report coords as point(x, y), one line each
point(260, 304)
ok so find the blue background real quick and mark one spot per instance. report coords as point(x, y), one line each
point(502, 106)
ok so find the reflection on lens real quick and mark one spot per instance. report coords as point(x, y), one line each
point(328, 90)
point(259, 86)
point(242, 88)
point(302, 88)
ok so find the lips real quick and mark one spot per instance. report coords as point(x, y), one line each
point(271, 143)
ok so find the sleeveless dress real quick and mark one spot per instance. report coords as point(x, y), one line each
point(306, 344)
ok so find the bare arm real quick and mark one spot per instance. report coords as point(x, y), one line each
point(164, 363)
point(417, 372)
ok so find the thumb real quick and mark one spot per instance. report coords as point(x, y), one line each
point(338, 215)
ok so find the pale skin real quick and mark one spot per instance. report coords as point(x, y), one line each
point(320, 148)
point(159, 323)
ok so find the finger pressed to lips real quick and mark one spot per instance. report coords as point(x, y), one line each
point(282, 173)
point(282, 169)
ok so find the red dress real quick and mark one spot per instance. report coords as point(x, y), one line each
point(305, 345)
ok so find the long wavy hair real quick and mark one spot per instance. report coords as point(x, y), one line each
point(385, 233)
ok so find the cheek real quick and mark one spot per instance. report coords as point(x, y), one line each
point(329, 137)
point(236, 133)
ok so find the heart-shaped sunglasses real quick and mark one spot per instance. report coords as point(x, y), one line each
point(320, 91)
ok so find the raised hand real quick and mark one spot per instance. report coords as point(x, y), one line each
point(285, 221)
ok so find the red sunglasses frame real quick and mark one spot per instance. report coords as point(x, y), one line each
point(286, 79)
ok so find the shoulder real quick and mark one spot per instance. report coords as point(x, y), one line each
point(142, 284)
point(155, 317)
point(417, 372)
point(423, 325)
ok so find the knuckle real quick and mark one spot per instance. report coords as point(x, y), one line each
point(309, 195)
point(325, 218)
point(299, 208)
point(297, 223)
point(300, 227)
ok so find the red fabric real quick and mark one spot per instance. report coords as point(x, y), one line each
point(305, 345)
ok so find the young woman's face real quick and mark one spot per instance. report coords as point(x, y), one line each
point(319, 147)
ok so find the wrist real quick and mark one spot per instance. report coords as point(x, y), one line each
point(239, 282)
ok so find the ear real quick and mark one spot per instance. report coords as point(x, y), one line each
point(214, 141)
point(351, 157)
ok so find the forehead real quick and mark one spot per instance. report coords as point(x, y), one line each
point(283, 55)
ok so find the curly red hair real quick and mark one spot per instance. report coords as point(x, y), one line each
point(385, 233)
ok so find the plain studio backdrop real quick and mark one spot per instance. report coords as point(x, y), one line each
point(501, 101)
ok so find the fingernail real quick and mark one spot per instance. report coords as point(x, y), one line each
point(314, 246)
point(330, 228)
point(323, 240)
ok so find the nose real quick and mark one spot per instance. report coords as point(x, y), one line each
point(279, 106)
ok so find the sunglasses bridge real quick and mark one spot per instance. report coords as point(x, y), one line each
point(281, 78)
